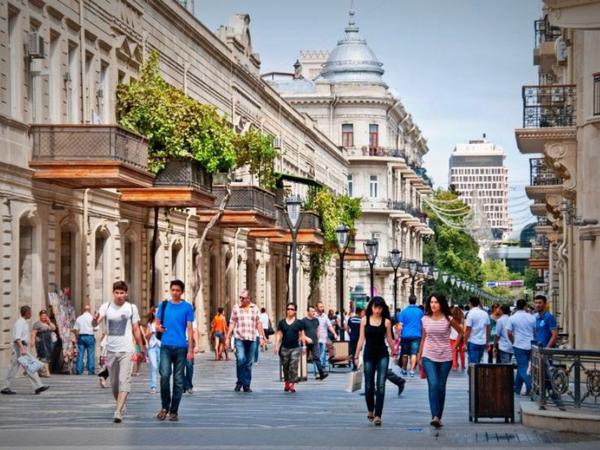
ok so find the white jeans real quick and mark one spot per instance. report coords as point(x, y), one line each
point(13, 370)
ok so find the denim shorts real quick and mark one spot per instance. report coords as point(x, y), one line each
point(219, 335)
point(410, 346)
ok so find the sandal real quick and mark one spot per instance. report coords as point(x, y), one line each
point(162, 414)
point(370, 417)
point(377, 421)
point(173, 417)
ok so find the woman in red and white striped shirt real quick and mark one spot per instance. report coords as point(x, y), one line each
point(435, 352)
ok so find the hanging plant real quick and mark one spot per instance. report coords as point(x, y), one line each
point(255, 150)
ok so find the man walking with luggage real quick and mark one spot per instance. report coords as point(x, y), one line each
point(122, 321)
point(243, 325)
point(174, 320)
point(20, 347)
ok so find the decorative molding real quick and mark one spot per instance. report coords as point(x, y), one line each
point(563, 158)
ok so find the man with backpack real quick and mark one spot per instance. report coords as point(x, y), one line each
point(122, 320)
point(174, 319)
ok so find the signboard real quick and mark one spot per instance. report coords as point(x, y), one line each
point(508, 284)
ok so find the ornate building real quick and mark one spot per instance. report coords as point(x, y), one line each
point(343, 90)
point(561, 117)
point(76, 200)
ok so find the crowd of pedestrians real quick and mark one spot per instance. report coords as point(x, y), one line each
point(430, 338)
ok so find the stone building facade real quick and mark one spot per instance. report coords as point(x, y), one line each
point(343, 90)
point(60, 64)
point(561, 117)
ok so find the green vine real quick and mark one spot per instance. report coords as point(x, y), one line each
point(255, 149)
point(333, 210)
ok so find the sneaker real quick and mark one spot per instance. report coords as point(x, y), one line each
point(325, 375)
point(190, 391)
point(41, 389)
point(247, 389)
point(238, 387)
point(411, 373)
point(286, 386)
point(117, 417)
point(403, 372)
point(292, 387)
point(401, 388)
point(7, 391)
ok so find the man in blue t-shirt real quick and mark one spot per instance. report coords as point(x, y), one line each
point(410, 337)
point(353, 328)
point(174, 319)
point(546, 331)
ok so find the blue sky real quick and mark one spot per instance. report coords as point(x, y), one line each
point(457, 65)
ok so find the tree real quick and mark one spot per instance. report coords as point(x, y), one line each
point(531, 278)
point(496, 270)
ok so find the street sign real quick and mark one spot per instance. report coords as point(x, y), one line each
point(508, 284)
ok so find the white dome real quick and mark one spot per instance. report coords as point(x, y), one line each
point(352, 61)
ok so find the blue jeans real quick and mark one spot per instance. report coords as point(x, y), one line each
point(86, 344)
point(172, 361)
point(257, 351)
point(475, 352)
point(437, 375)
point(188, 375)
point(375, 393)
point(523, 357)
point(504, 357)
point(323, 353)
point(244, 356)
point(153, 357)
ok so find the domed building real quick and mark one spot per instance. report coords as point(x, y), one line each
point(343, 90)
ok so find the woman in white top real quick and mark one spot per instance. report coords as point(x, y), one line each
point(153, 350)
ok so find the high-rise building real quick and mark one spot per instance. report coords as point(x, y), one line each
point(477, 171)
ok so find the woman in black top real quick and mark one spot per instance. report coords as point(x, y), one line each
point(290, 331)
point(375, 328)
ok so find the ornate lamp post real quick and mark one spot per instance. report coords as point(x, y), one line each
point(371, 249)
point(342, 238)
point(412, 270)
point(395, 261)
point(294, 208)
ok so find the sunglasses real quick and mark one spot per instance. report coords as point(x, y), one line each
point(291, 309)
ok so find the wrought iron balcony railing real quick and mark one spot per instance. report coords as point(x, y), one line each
point(245, 198)
point(544, 32)
point(549, 106)
point(565, 377)
point(184, 173)
point(398, 206)
point(310, 221)
point(89, 143)
point(542, 175)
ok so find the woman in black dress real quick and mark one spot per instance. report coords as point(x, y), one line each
point(290, 331)
point(375, 328)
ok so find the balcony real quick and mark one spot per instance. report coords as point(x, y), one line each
point(89, 156)
point(247, 207)
point(544, 53)
point(309, 232)
point(181, 184)
point(549, 115)
point(543, 180)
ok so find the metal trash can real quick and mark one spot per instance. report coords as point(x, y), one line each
point(491, 392)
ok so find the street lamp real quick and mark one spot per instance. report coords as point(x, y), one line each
point(436, 273)
point(371, 249)
point(412, 270)
point(395, 260)
point(342, 238)
point(294, 207)
point(445, 277)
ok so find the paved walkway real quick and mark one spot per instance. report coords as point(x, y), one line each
point(77, 413)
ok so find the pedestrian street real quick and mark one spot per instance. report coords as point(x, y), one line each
point(77, 413)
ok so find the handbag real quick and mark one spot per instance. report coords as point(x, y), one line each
point(354, 382)
point(270, 331)
point(30, 364)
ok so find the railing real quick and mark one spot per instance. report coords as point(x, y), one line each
point(565, 377)
point(377, 151)
point(398, 206)
point(549, 106)
point(540, 174)
point(310, 221)
point(184, 173)
point(245, 198)
point(544, 32)
point(89, 142)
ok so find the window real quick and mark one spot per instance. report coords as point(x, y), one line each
point(348, 135)
point(373, 186)
point(373, 135)
point(15, 61)
point(350, 186)
point(597, 94)
point(73, 84)
point(102, 93)
point(55, 79)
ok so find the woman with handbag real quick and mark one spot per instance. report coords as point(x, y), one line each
point(435, 352)
point(375, 330)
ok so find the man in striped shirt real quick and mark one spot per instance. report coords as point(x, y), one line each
point(243, 325)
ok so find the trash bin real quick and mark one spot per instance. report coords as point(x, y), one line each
point(491, 392)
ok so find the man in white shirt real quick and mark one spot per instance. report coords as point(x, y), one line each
point(501, 341)
point(21, 348)
point(324, 326)
point(521, 331)
point(477, 333)
point(122, 321)
point(86, 341)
